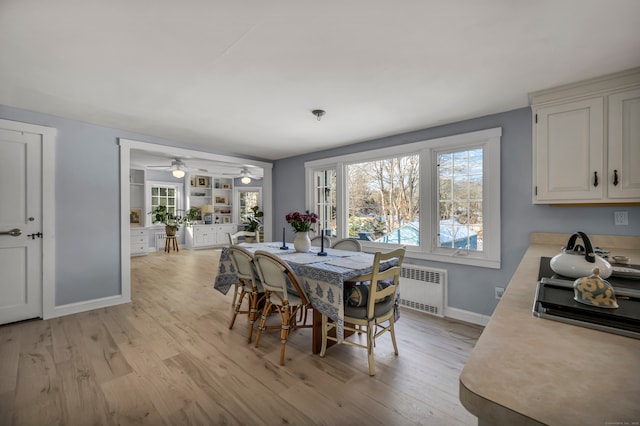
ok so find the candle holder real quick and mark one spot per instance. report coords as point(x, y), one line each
point(284, 244)
point(322, 252)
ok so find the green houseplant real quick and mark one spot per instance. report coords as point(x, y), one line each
point(171, 221)
point(254, 219)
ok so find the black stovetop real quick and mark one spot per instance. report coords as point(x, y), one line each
point(554, 300)
point(545, 271)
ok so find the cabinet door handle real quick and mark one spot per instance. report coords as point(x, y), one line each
point(595, 178)
point(615, 178)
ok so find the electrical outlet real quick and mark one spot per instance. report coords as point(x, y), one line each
point(499, 292)
point(621, 218)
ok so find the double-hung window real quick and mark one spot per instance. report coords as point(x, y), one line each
point(440, 198)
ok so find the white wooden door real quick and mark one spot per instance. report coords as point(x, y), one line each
point(569, 152)
point(624, 145)
point(20, 226)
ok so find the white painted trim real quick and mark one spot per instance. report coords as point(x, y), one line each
point(409, 148)
point(48, 209)
point(488, 139)
point(466, 316)
point(146, 146)
point(88, 305)
point(125, 229)
point(126, 145)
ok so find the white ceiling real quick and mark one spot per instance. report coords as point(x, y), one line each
point(243, 76)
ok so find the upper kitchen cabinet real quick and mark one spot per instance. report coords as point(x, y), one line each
point(624, 145)
point(586, 141)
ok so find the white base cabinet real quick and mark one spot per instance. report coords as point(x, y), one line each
point(203, 236)
point(139, 241)
point(586, 142)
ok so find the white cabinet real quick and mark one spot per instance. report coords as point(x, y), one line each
point(200, 194)
point(569, 151)
point(201, 236)
point(223, 200)
point(586, 142)
point(624, 145)
point(139, 241)
point(211, 195)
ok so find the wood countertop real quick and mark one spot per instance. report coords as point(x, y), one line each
point(526, 370)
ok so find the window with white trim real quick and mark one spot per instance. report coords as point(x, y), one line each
point(247, 199)
point(325, 201)
point(383, 198)
point(164, 194)
point(440, 198)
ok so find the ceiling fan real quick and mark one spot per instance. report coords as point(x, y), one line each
point(245, 175)
point(179, 168)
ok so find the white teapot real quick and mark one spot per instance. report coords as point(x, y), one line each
point(577, 261)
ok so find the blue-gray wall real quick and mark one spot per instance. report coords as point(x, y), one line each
point(88, 204)
point(472, 288)
point(87, 228)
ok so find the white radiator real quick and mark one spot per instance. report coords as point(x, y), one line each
point(161, 238)
point(423, 289)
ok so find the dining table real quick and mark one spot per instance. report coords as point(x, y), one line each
point(321, 277)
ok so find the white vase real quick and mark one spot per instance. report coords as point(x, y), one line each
point(302, 242)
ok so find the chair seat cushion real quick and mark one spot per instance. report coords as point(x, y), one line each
point(358, 295)
point(360, 312)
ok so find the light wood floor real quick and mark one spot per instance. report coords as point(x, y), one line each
point(169, 358)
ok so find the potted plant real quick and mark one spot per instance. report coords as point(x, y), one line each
point(254, 221)
point(171, 221)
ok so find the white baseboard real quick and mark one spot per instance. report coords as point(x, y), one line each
point(75, 308)
point(466, 316)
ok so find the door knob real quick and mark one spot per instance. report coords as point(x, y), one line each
point(14, 232)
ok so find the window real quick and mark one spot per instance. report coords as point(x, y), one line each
point(384, 200)
point(460, 199)
point(325, 200)
point(164, 194)
point(248, 198)
point(440, 198)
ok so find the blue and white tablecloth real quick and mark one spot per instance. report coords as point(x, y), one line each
point(321, 277)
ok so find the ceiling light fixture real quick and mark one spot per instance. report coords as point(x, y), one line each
point(318, 113)
point(177, 173)
point(245, 179)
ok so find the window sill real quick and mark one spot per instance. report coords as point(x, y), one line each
point(453, 257)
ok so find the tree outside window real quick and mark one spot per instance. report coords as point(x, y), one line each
point(384, 198)
point(460, 176)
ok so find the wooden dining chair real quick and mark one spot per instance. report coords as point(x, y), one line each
point(274, 273)
point(249, 286)
point(369, 306)
point(350, 244)
point(233, 238)
point(317, 241)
